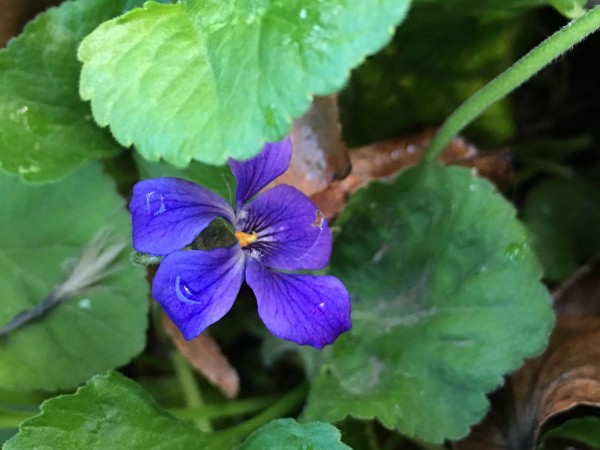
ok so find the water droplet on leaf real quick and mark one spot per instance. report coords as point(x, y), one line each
point(515, 251)
point(85, 303)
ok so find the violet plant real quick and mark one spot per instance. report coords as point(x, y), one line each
point(390, 332)
point(279, 229)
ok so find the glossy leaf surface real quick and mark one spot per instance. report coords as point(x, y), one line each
point(208, 80)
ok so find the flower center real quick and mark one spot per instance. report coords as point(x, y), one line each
point(246, 239)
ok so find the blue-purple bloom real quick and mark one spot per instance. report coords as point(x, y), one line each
point(278, 231)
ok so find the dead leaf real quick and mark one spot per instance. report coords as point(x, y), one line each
point(206, 357)
point(549, 388)
point(324, 169)
point(320, 156)
point(386, 159)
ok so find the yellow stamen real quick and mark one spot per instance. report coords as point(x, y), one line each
point(245, 238)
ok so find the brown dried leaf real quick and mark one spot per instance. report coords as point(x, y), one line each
point(385, 159)
point(565, 377)
point(323, 169)
point(206, 357)
point(320, 156)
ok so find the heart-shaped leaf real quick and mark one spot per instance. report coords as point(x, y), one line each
point(47, 227)
point(446, 299)
point(206, 79)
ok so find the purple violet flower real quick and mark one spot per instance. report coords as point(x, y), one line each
point(280, 230)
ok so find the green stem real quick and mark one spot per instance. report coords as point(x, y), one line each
point(193, 398)
point(513, 77)
point(371, 436)
point(234, 408)
point(279, 409)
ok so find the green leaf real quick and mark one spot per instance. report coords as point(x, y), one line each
point(110, 412)
point(563, 219)
point(47, 130)
point(46, 227)
point(207, 79)
point(218, 179)
point(446, 299)
point(582, 431)
point(287, 434)
point(416, 82)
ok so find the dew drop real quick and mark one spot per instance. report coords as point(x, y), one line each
point(515, 251)
point(162, 208)
point(151, 202)
point(21, 116)
point(33, 168)
point(183, 292)
point(85, 303)
point(318, 308)
point(319, 219)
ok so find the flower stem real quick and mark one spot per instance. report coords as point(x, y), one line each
point(192, 395)
point(513, 77)
point(277, 410)
point(234, 408)
point(371, 436)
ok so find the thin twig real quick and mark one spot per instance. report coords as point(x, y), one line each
point(89, 270)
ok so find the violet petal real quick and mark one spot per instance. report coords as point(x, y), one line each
point(168, 213)
point(197, 288)
point(306, 309)
point(292, 232)
point(255, 173)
